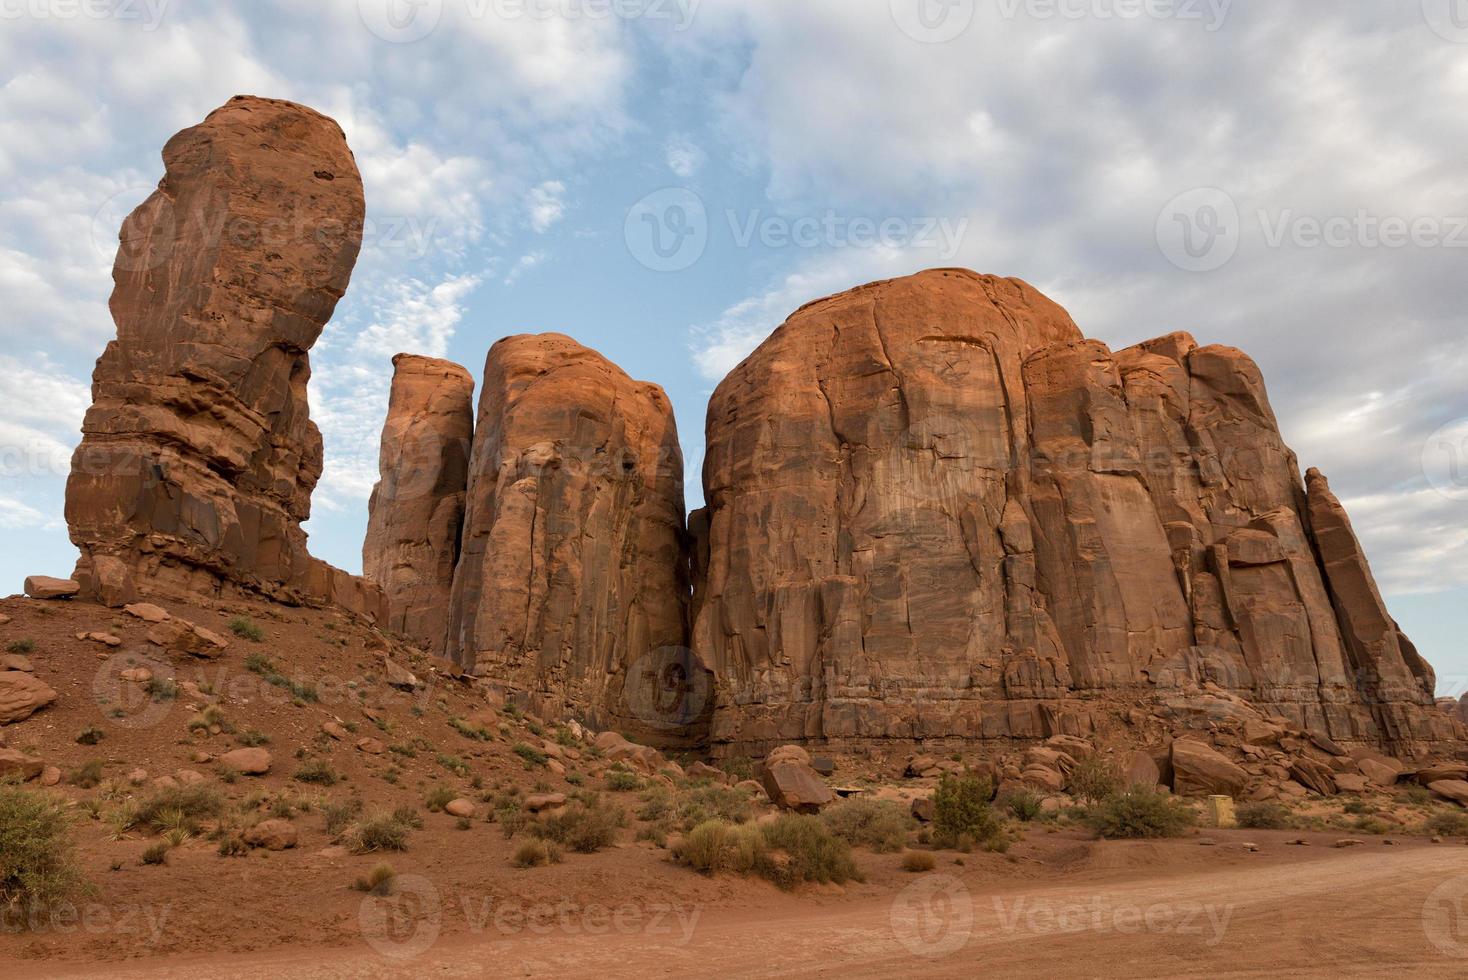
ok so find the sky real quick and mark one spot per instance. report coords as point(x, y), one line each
point(666, 180)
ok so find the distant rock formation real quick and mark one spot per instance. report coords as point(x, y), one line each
point(198, 455)
point(572, 584)
point(417, 508)
point(935, 510)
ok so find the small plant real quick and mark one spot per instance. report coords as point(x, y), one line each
point(961, 810)
point(454, 765)
point(438, 798)
point(246, 629)
point(90, 735)
point(1417, 794)
point(24, 646)
point(536, 854)
point(179, 806)
point(317, 772)
point(210, 718)
point(378, 881)
point(917, 861)
point(533, 756)
point(37, 864)
point(1447, 823)
point(250, 738)
point(1023, 803)
point(881, 825)
point(622, 781)
point(88, 775)
point(377, 832)
point(463, 823)
point(586, 826)
point(1140, 811)
point(233, 845)
point(156, 854)
point(1266, 815)
point(1356, 807)
point(339, 815)
point(792, 849)
point(1093, 779)
point(470, 731)
point(162, 688)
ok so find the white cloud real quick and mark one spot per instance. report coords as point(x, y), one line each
point(523, 265)
point(547, 204)
point(684, 157)
point(415, 317)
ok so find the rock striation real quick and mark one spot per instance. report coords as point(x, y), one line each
point(198, 454)
point(935, 510)
point(417, 508)
point(572, 587)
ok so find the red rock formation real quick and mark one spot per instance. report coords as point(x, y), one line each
point(417, 507)
point(198, 456)
point(572, 586)
point(936, 511)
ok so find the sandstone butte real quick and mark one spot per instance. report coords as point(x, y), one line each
point(198, 455)
point(935, 511)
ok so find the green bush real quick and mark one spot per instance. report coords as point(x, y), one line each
point(1093, 779)
point(317, 772)
point(881, 825)
point(37, 864)
point(438, 798)
point(531, 755)
point(1140, 811)
point(24, 646)
point(379, 881)
point(87, 776)
point(340, 814)
point(918, 861)
point(1023, 803)
point(251, 738)
point(245, 629)
point(622, 781)
point(156, 854)
point(178, 806)
point(961, 810)
point(792, 849)
point(536, 854)
point(1447, 824)
point(377, 831)
point(1266, 815)
point(584, 826)
point(90, 735)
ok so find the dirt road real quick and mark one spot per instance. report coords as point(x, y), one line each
point(1366, 911)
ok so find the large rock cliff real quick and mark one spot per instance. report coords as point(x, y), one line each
point(417, 506)
point(198, 455)
point(572, 586)
point(935, 510)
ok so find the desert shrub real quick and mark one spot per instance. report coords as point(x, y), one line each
point(1418, 794)
point(208, 718)
point(1093, 779)
point(469, 731)
point(246, 629)
point(250, 738)
point(87, 776)
point(918, 861)
point(815, 854)
point(257, 663)
point(536, 854)
point(454, 764)
point(1023, 803)
point(162, 688)
point(37, 864)
point(340, 813)
point(1266, 815)
point(156, 854)
point(233, 845)
point(961, 810)
point(584, 826)
point(177, 806)
point(623, 781)
point(378, 881)
point(1371, 825)
point(1355, 807)
point(377, 831)
point(1139, 811)
point(24, 646)
point(408, 817)
point(533, 756)
point(438, 798)
point(881, 825)
point(90, 735)
point(1447, 824)
point(317, 772)
point(717, 846)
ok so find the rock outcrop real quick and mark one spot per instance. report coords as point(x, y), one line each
point(935, 510)
point(571, 588)
point(417, 508)
point(198, 455)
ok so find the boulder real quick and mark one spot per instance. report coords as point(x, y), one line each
point(796, 786)
point(1350, 782)
point(1441, 771)
point(399, 676)
point(334, 730)
point(273, 835)
point(15, 661)
point(371, 746)
point(536, 802)
point(249, 762)
point(1198, 770)
point(51, 776)
point(1451, 789)
point(14, 762)
point(198, 454)
point(181, 636)
point(46, 587)
point(574, 520)
point(22, 694)
point(106, 639)
point(1382, 772)
point(416, 510)
point(459, 808)
point(1140, 769)
point(146, 611)
point(922, 809)
point(1314, 776)
point(788, 753)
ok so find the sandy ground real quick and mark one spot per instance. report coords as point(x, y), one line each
point(1351, 912)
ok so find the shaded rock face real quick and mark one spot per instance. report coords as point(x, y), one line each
point(571, 586)
point(935, 510)
point(198, 455)
point(417, 508)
